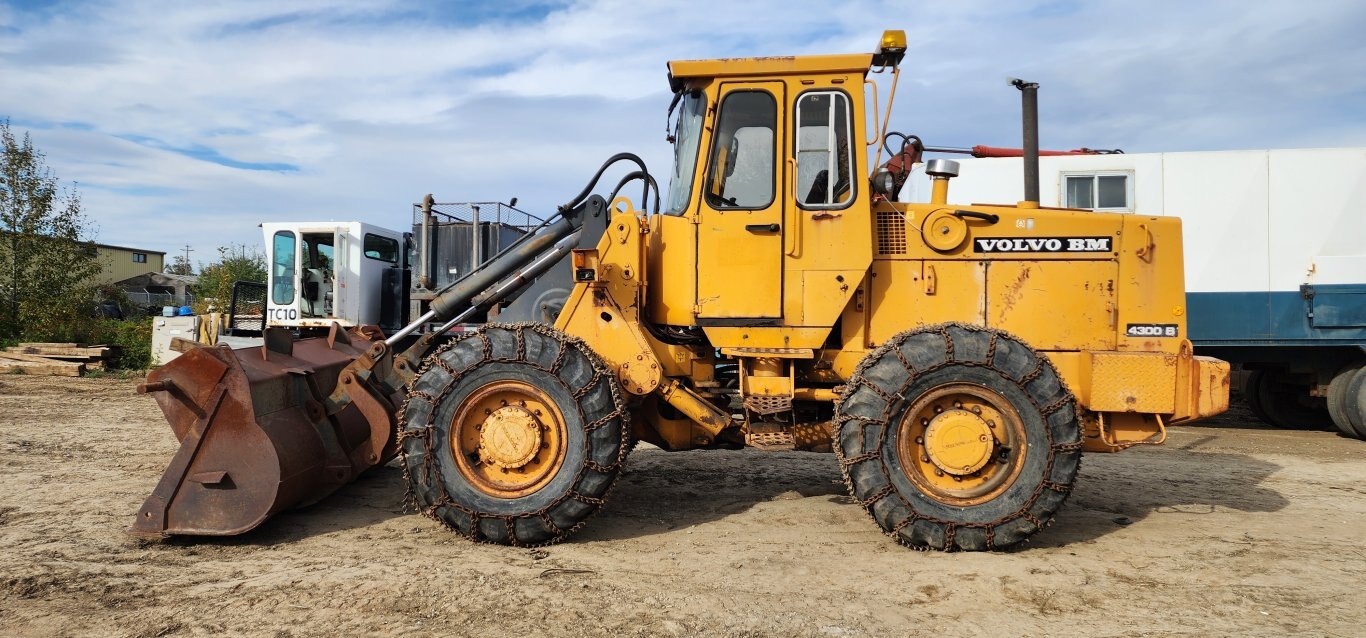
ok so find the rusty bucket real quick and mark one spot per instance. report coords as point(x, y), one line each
point(255, 436)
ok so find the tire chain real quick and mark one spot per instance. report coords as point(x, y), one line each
point(856, 380)
point(430, 470)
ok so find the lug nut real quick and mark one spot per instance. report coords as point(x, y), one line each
point(924, 459)
point(920, 440)
point(938, 409)
point(487, 411)
point(958, 404)
point(976, 409)
point(924, 422)
point(957, 479)
point(990, 423)
point(938, 472)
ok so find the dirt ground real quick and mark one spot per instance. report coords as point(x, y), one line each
point(1230, 529)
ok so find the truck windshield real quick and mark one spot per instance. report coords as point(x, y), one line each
point(686, 137)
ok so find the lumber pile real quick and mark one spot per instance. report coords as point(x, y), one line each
point(53, 359)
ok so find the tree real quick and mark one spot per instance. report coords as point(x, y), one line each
point(48, 265)
point(235, 263)
point(180, 265)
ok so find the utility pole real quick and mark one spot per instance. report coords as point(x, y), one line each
point(188, 250)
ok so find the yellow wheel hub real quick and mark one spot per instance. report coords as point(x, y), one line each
point(959, 442)
point(508, 439)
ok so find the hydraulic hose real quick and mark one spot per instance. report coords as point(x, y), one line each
point(578, 199)
point(649, 184)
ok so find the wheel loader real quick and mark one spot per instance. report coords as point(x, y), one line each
point(957, 360)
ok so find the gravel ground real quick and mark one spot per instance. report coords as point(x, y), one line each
point(1229, 529)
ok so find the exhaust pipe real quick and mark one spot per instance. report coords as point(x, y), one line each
point(1029, 112)
point(424, 253)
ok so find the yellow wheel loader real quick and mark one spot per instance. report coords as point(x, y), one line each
point(957, 360)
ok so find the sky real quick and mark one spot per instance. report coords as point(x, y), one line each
point(192, 122)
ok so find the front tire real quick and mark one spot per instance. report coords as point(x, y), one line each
point(958, 437)
point(513, 435)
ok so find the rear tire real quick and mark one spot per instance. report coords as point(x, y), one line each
point(908, 431)
point(1337, 400)
point(1282, 404)
point(1354, 402)
point(513, 435)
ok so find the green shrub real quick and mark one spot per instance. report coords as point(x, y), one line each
point(133, 340)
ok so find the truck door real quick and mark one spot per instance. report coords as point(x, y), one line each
point(740, 230)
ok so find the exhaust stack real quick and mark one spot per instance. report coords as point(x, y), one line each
point(1029, 112)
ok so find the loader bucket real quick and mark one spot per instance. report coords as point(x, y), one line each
point(254, 436)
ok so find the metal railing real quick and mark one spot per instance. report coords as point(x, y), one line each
point(463, 236)
point(159, 299)
point(479, 212)
point(247, 310)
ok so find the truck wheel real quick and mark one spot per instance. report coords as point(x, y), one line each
point(1252, 396)
point(1283, 404)
point(1337, 400)
point(513, 435)
point(958, 437)
point(1354, 400)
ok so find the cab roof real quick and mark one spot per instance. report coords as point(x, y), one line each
point(682, 70)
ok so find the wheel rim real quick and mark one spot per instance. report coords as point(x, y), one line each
point(962, 444)
point(508, 439)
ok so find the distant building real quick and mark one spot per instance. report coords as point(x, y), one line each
point(121, 262)
point(154, 289)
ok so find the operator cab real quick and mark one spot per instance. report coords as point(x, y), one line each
point(350, 273)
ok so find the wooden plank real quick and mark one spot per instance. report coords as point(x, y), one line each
point(66, 357)
point(37, 344)
point(40, 369)
point(33, 358)
point(59, 351)
point(184, 345)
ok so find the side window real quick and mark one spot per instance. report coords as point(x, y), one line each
point(824, 159)
point(1098, 191)
point(381, 248)
point(282, 268)
point(741, 170)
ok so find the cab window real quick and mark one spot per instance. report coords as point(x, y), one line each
point(282, 268)
point(381, 248)
point(824, 159)
point(741, 169)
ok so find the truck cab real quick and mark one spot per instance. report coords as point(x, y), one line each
point(320, 273)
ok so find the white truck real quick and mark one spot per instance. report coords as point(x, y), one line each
point(1275, 258)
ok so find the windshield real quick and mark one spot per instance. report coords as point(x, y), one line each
point(686, 137)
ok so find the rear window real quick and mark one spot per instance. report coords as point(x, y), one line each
point(381, 248)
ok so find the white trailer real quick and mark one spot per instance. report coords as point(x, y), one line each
point(1275, 257)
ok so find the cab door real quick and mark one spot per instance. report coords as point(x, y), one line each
point(740, 216)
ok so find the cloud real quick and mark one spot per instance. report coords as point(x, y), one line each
point(193, 122)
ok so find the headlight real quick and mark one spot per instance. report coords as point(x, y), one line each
point(884, 184)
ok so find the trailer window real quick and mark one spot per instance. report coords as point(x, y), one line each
point(1098, 191)
point(824, 161)
point(381, 248)
point(282, 269)
point(742, 152)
